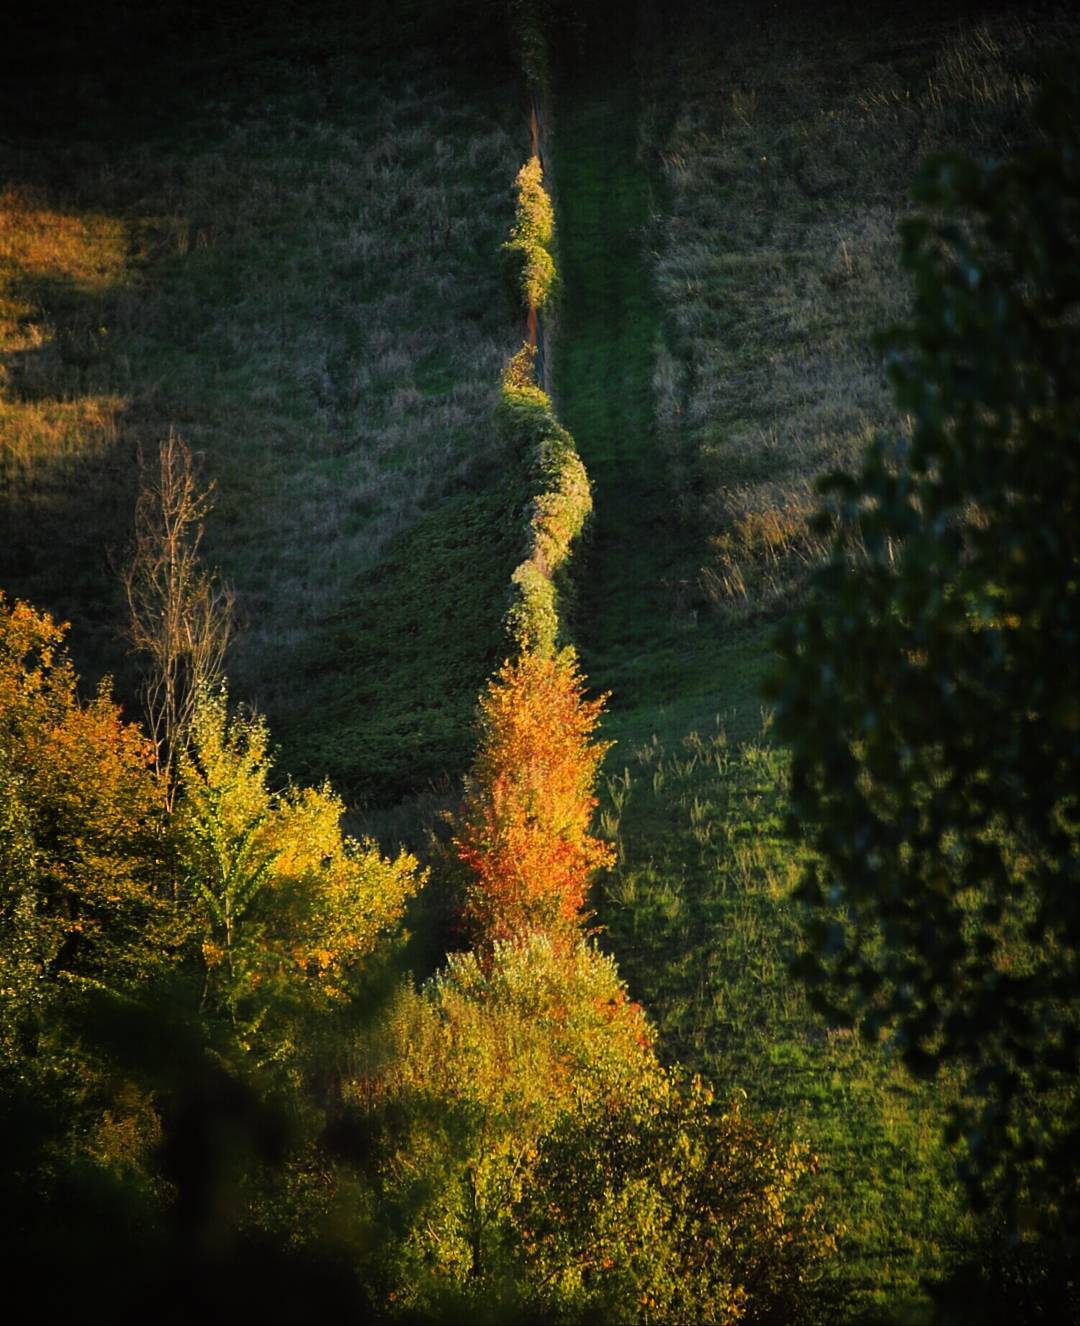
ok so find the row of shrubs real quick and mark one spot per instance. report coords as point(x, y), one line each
point(528, 255)
point(526, 417)
point(525, 414)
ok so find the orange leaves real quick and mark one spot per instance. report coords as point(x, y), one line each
point(80, 785)
point(524, 828)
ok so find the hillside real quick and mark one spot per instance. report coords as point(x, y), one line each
point(281, 234)
point(729, 230)
point(289, 261)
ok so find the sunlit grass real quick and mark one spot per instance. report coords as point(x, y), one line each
point(787, 152)
point(305, 286)
point(700, 913)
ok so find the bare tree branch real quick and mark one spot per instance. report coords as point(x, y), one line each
point(180, 618)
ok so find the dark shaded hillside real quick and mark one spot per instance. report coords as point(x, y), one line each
point(66, 64)
point(273, 229)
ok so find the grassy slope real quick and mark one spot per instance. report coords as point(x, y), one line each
point(699, 914)
point(771, 382)
point(787, 137)
point(781, 142)
point(292, 261)
point(637, 620)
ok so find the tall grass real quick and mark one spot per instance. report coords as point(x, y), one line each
point(700, 913)
point(787, 149)
point(302, 281)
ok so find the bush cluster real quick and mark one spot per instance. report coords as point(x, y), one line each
point(528, 255)
point(558, 512)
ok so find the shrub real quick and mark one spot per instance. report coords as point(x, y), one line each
point(559, 511)
point(661, 1205)
point(470, 1074)
point(529, 262)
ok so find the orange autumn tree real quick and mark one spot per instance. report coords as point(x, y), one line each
point(83, 885)
point(524, 827)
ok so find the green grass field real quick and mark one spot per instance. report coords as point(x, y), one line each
point(728, 191)
point(300, 274)
point(638, 618)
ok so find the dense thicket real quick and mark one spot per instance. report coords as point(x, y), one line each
point(927, 689)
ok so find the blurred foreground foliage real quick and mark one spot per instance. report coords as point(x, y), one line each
point(928, 694)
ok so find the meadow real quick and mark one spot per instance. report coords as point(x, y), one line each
point(787, 157)
point(299, 265)
point(730, 249)
point(296, 275)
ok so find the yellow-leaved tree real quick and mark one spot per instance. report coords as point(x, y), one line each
point(289, 908)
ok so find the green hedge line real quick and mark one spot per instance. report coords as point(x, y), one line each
point(525, 415)
point(528, 255)
point(559, 510)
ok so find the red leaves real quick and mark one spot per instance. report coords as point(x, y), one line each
point(524, 827)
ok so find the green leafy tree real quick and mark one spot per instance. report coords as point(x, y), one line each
point(290, 911)
point(661, 1205)
point(529, 264)
point(928, 690)
point(470, 1073)
point(533, 1153)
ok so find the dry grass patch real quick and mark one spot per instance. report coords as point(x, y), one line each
point(310, 299)
point(787, 156)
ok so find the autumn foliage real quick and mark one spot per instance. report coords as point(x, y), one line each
point(81, 819)
point(288, 909)
point(524, 827)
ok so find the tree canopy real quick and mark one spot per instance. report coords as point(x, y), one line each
point(928, 689)
point(524, 828)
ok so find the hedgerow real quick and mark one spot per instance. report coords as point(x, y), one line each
point(558, 511)
point(528, 255)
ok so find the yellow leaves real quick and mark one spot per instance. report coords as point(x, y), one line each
point(294, 905)
point(305, 832)
point(126, 1134)
point(212, 953)
point(531, 236)
point(481, 1067)
point(519, 378)
point(535, 219)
